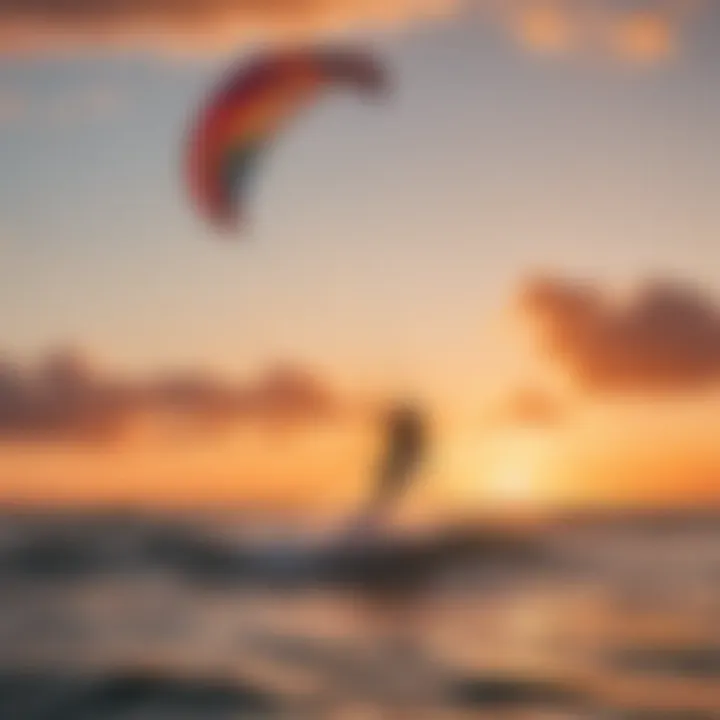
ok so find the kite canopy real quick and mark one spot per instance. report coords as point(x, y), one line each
point(244, 116)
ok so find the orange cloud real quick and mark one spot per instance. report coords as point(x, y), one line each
point(530, 407)
point(181, 25)
point(191, 26)
point(665, 338)
point(646, 34)
point(643, 37)
point(65, 398)
point(548, 27)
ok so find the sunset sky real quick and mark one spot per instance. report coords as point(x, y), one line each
point(525, 233)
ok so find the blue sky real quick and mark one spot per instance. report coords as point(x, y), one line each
point(384, 238)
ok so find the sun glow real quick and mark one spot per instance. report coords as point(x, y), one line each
point(512, 469)
point(517, 470)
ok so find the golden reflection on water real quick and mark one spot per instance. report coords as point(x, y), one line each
point(345, 652)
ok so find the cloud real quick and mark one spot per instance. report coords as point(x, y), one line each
point(64, 397)
point(529, 407)
point(180, 25)
point(665, 337)
point(644, 32)
point(643, 37)
point(547, 27)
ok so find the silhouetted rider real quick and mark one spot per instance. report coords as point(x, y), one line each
point(405, 447)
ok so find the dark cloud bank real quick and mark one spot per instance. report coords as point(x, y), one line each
point(665, 338)
point(63, 397)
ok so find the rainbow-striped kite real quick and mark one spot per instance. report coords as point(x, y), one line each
point(244, 116)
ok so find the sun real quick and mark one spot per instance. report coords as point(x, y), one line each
point(508, 470)
point(516, 469)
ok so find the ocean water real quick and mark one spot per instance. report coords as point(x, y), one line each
point(154, 619)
